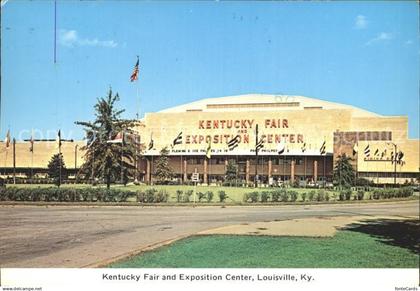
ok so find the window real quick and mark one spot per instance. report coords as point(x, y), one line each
point(194, 161)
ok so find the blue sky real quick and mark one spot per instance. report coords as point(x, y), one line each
point(361, 53)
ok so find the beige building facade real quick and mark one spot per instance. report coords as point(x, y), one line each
point(301, 138)
point(300, 125)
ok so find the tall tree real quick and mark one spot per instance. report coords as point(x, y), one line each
point(231, 172)
point(56, 167)
point(163, 170)
point(344, 173)
point(111, 149)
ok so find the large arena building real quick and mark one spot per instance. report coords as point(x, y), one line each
point(299, 138)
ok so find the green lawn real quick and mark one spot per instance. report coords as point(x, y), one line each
point(346, 249)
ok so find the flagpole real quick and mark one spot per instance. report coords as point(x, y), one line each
point(137, 143)
point(209, 171)
point(256, 157)
point(32, 164)
point(93, 168)
point(325, 178)
point(122, 153)
point(284, 171)
point(59, 155)
point(14, 161)
point(138, 101)
point(151, 172)
point(237, 171)
point(55, 31)
point(5, 163)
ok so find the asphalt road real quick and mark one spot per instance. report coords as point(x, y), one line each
point(80, 236)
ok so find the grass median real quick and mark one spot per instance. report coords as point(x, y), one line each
point(347, 249)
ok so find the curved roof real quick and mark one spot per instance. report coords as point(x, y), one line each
point(264, 102)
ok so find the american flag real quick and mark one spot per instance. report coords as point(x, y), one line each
point(135, 74)
point(177, 140)
point(233, 143)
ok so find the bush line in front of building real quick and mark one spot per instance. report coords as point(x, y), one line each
point(151, 195)
point(283, 195)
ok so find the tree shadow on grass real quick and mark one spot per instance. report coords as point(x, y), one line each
point(401, 233)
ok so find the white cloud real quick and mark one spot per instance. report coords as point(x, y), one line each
point(408, 42)
point(70, 38)
point(380, 37)
point(360, 22)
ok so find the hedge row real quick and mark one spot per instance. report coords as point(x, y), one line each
point(152, 195)
point(201, 196)
point(392, 193)
point(282, 195)
point(279, 195)
point(55, 194)
point(377, 194)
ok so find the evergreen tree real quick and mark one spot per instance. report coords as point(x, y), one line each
point(344, 174)
point(163, 170)
point(56, 167)
point(231, 172)
point(105, 158)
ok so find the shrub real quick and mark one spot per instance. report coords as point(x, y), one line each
point(252, 197)
point(386, 193)
point(327, 196)
point(179, 194)
point(303, 196)
point(141, 196)
point(161, 196)
point(293, 195)
point(109, 196)
point(311, 195)
point(275, 195)
point(187, 195)
point(284, 196)
point(406, 192)
point(360, 194)
point(209, 196)
point(124, 195)
point(222, 196)
point(84, 194)
point(392, 193)
point(348, 193)
point(3, 194)
point(345, 195)
point(200, 196)
point(320, 196)
point(150, 195)
point(37, 194)
point(265, 195)
point(376, 194)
